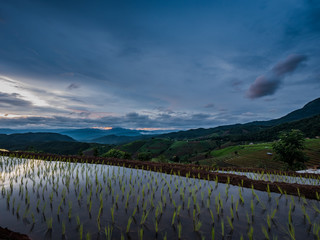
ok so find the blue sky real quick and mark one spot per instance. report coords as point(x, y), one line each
point(156, 64)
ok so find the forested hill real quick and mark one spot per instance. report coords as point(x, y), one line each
point(35, 137)
point(310, 110)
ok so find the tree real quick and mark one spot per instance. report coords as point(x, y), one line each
point(289, 149)
point(144, 156)
point(115, 153)
point(95, 152)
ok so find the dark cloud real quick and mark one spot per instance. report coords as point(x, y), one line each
point(130, 120)
point(13, 100)
point(268, 84)
point(73, 86)
point(263, 86)
point(288, 65)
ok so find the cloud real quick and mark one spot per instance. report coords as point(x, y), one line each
point(288, 65)
point(73, 86)
point(263, 86)
point(268, 84)
point(13, 100)
point(130, 120)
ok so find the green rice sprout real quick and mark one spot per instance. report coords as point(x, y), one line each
point(212, 217)
point(269, 222)
point(212, 233)
point(222, 228)
point(165, 236)
point(78, 220)
point(81, 231)
point(141, 233)
point(112, 213)
point(230, 223)
point(315, 230)
point(291, 231)
point(179, 230)
point(315, 208)
point(128, 224)
point(173, 217)
point(33, 219)
point(49, 224)
point(63, 228)
point(250, 233)
point(240, 196)
point(252, 207)
point(308, 219)
point(273, 214)
point(289, 215)
point(156, 227)
point(265, 233)
point(197, 226)
point(231, 213)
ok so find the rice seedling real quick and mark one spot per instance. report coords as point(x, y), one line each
point(137, 200)
point(49, 224)
point(179, 230)
point(222, 228)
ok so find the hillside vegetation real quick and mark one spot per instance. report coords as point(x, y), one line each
point(259, 155)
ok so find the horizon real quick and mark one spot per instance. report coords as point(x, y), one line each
point(155, 65)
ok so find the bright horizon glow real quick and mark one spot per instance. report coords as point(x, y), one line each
point(152, 129)
point(8, 115)
point(103, 128)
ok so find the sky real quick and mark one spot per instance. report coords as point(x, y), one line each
point(150, 64)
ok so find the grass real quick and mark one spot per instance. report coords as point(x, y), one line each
point(255, 155)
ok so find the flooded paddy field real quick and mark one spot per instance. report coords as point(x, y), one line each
point(314, 180)
point(66, 200)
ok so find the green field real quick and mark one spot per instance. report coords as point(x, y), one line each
point(207, 152)
point(256, 155)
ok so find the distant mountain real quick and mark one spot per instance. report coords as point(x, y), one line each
point(49, 143)
point(92, 134)
point(309, 110)
point(113, 139)
point(30, 130)
point(36, 137)
point(24, 140)
point(89, 134)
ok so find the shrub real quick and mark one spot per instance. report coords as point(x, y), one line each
point(144, 156)
point(115, 153)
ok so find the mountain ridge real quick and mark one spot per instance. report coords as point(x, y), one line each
point(310, 109)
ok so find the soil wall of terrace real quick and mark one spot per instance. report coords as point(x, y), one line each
point(193, 171)
point(7, 234)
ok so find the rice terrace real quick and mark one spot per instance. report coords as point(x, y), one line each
point(159, 120)
point(74, 198)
